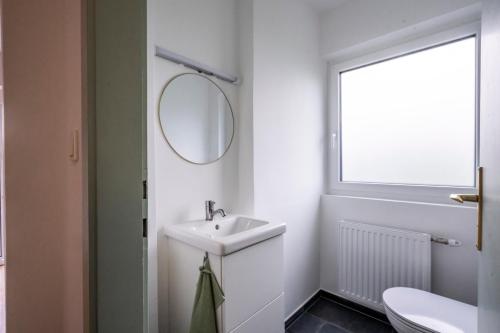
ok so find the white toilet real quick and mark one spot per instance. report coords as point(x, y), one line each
point(411, 310)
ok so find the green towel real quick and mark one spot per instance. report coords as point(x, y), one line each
point(209, 297)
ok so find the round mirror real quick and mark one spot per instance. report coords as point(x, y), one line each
point(196, 118)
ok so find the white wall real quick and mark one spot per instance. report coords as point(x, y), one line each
point(362, 26)
point(275, 165)
point(207, 32)
point(288, 122)
point(245, 133)
point(357, 22)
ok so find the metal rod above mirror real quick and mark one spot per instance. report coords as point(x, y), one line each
point(195, 65)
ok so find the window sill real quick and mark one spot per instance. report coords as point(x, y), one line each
point(408, 193)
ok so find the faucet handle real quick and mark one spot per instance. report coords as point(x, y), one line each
point(209, 210)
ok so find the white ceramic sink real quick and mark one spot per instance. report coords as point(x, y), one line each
point(223, 236)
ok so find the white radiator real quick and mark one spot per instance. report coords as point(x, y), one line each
point(373, 258)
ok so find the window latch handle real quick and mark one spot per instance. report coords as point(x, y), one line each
point(334, 140)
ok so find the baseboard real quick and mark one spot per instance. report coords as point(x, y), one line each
point(302, 308)
point(354, 306)
point(337, 299)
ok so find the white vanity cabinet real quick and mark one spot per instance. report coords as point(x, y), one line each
point(251, 278)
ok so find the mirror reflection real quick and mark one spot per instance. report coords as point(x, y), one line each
point(196, 118)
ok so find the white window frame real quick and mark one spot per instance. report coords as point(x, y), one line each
point(427, 193)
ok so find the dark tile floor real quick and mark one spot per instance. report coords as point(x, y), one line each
point(328, 316)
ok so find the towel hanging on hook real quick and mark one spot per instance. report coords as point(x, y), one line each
point(209, 297)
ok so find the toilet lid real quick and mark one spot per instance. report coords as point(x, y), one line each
point(431, 311)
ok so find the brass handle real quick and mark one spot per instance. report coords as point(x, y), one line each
point(461, 198)
point(464, 197)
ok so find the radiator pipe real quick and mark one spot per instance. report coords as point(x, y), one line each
point(446, 241)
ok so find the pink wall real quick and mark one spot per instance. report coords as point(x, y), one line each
point(45, 221)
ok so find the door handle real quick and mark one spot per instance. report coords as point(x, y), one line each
point(465, 197)
point(461, 198)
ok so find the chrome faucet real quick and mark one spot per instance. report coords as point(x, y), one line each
point(210, 212)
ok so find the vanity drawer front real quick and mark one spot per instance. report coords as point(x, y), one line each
point(251, 279)
point(183, 274)
point(268, 320)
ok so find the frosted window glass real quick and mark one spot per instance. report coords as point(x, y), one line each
point(411, 119)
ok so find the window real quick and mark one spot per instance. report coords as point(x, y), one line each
point(410, 119)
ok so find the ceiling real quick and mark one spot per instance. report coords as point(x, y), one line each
point(325, 4)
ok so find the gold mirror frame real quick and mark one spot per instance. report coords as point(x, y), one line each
point(163, 130)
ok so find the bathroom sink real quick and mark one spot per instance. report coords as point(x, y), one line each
point(227, 226)
point(225, 235)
